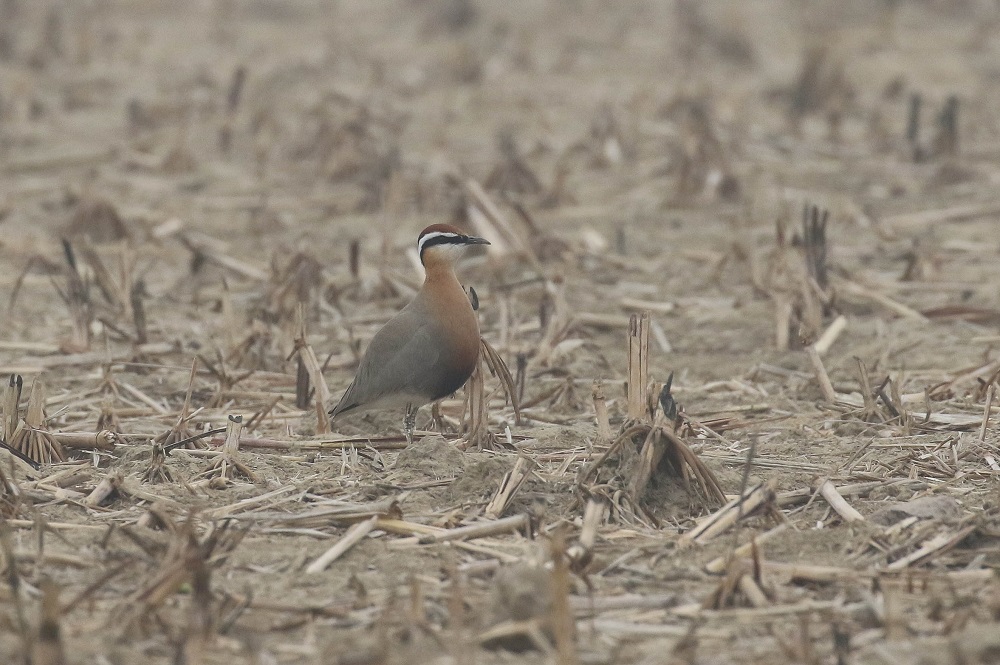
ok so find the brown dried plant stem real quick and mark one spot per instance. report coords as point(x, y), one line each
point(77, 299)
point(489, 222)
point(725, 517)
point(480, 530)
point(848, 287)
point(826, 387)
point(663, 441)
point(376, 443)
point(604, 434)
point(228, 464)
point(509, 486)
point(29, 436)
point(830, 335)
point(478, 427)
point(477, 402)
point(157, 471)
point(661, 450)
point(782, 320)
point(638, 367)
point(353, 536)
point(719, 564)
point(187, 559)
point(932, 547)
point(581, 554)
point(990, 395)
point(829, 492)
point(104, 489)
point(11, 402)
point(563, 625)
point(180, 430)
point(9, 496)
point(104, 440)
point(498, 368)
point(307, 359)
point(48, 646)
point(11, 424)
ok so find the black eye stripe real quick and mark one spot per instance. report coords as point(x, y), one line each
point(443, 240)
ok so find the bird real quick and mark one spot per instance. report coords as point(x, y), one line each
point(430, 348)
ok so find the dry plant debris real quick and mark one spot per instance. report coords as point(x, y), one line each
point(9, 496)
point(187, 559)
point(796, 279)
point(227, 465)
point(797, 451)
point(28, 435)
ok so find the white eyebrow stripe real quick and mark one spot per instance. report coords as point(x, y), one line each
point(434, 234)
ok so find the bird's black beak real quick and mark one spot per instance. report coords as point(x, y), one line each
point(473, 240)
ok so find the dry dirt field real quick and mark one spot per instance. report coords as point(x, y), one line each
point(802, 195)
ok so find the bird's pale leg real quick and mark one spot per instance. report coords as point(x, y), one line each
point(409, 422)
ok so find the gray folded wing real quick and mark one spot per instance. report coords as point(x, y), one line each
point(402, 364)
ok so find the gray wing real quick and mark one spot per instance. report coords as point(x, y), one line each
point(402, 358)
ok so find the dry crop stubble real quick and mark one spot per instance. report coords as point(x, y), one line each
point(237, 186)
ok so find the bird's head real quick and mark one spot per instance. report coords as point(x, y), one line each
point(444, 242)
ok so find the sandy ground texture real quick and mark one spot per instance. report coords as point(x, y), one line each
point(209, 207)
